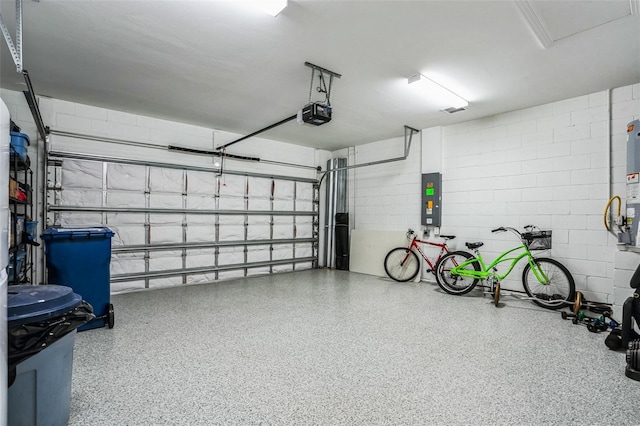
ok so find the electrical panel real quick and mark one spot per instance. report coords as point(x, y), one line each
point(632, 236)
point(431, 199)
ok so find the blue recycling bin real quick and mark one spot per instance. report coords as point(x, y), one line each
point(80, 258)
point(41, 328)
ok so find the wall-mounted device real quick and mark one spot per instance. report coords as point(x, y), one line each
point(633, 185)
point(315, 113)
point(431, 199)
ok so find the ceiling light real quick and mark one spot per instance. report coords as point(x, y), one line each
point(272, 7)
point(437, 93)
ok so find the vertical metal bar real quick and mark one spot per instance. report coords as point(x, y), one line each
point(246, 219)
point(315, 247)
point(330, 215)
point(295, 229)
point(57, 193)
point(45, 203)
point(104, 190)
point(10, 45)
point(184, 224)
point(216, 252)
point(19, 35)
point(341, 187)
point(15, 49)
point(271, 223)
point(31, 260)
point(147, 222)
point(216, 200)
point(351, 189)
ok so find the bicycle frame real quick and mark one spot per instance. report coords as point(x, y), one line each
point(488, 270)
point(415, 243)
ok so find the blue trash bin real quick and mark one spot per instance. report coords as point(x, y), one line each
point(41, 326)
point(79, 258)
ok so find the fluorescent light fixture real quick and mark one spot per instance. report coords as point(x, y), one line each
point(437, 93)
point(272, 7)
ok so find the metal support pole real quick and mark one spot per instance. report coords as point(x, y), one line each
point(15, 49)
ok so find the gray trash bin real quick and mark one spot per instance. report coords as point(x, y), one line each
point(41, 326)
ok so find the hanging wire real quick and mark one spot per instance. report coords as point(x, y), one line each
point(322, 88)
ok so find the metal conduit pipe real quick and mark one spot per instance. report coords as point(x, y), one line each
point(610, 165)
point(408, 135)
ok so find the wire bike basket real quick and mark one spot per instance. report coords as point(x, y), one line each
point(537, 240)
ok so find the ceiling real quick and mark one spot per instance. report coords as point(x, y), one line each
point(217, 64)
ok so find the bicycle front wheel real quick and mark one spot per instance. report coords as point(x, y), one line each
point(453, 283)
point(551, 286)
point(401, 264)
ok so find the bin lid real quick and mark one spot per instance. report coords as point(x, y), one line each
point(28, 303)
point(68, 233)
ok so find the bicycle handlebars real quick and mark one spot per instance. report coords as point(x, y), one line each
point(514, 230)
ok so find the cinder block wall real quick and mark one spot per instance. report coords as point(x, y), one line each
point(387, 196)
point(554, 165)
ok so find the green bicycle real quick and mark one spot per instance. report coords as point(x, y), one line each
point(546, 281)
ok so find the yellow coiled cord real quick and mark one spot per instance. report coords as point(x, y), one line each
point(606, 209)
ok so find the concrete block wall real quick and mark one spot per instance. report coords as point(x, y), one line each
point(546, 166)
point(387, 196)
point(553, 165)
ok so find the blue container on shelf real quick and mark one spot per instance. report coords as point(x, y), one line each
point(30, 227)
point(80, 258)
point(20, 144)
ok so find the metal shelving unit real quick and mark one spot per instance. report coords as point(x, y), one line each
point(21, 246)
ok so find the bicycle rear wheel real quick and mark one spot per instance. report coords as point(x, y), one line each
point(453, 283)
point(401, 264)
point(554, 289)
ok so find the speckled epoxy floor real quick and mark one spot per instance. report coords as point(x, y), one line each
point(327, 347)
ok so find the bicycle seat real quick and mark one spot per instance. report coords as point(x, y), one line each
point(472, 246)
point(448, 237)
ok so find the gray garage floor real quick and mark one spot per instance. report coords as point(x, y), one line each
point(336, 348)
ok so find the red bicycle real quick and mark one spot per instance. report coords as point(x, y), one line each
point(402, 263)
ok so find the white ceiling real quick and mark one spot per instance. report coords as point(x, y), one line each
point(215, 64)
